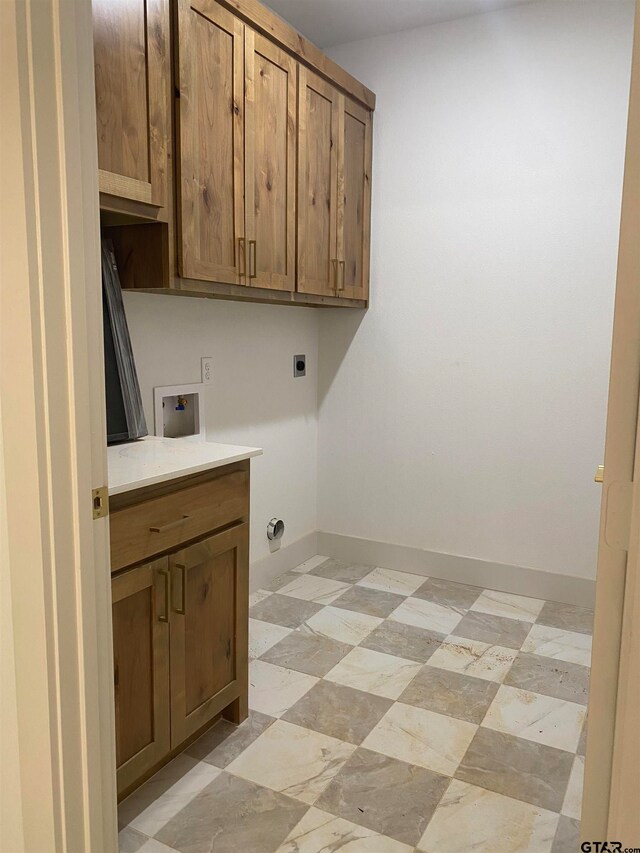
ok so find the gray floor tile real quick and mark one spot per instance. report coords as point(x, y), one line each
point(370, 601)
point(550, 676)
point(451, 693)
point(225, 741)
point(232, 815)
point(460, 596)
point(389, 796)
point(518, 768)
point(339, 711)
point(404, 641)
point(339, 571)
point(130, 840)
point(305, 652)
point(567, 838)
point(582, 745)
point(566, 616)
point(284, 610)
point(497, 630)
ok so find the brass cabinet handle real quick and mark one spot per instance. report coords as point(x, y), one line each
point(334, 273)
point(242, 253)
point(253, 265)
point(165, 575)
point(162, 527)
point(182, 610)
point(342, 266)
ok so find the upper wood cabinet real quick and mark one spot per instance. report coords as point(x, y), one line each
point(132, 76)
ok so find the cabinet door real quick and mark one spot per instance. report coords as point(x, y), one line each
point(318, 115)
point(209, 625)
point(132, 75)
point(354, 200)
point(270, 163)
point(140, 610)
point(210, 159)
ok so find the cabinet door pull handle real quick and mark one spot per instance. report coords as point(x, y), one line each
point(162, 527)
point(182, 610)
point(242, 255)
point(165, 617)
point(253, 259)
point(334, 274)
point(342, 266)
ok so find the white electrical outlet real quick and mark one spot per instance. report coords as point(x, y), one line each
point(207, 369)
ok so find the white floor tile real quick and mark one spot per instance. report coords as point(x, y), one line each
point(310, 564)
point(374, 672)
point(559, 644)
point(320, 832)
point(313, 588)
point(274, 689)
point(263, 636)
point(388, 580)
point(511, 606)
point(258, 596)
point(346, 626)
point(572, 806)
point(472, 657)
point(427, 614)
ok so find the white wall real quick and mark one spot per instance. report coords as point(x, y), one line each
point(464, 413)
point(254, 399)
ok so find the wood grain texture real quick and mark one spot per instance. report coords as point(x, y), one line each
point(198, 509)
point(142, 253)
point(269, 24)
point(318, 116)
point(354, 199)
point(270, 161)
point(141, 670)
point(210, 114)
point(209, 645)
point(132, 76)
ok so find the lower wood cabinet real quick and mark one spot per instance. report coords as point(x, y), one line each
point(180, 620)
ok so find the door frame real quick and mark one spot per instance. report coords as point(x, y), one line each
point(609, 809)
point(58, 747)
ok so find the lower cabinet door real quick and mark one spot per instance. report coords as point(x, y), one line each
point(140, 609)
point(209, 626)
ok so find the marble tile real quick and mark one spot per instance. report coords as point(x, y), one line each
point(582, 744)
point(345, 626)
point(391, 797)
point(427, 614)
point(373, 672)
point(171, 774)
point(276, 584)
point(284, 610)
point(233, 815)
point(495, 630)
point(310, 564)
point(470, 818)
point(307, 652)
point(338, 711)
point(557, 643)
point(258, 596)
point(567, 838)
point(373, 602)
point(339, 571)
point(312, 588)
point(421, 737)
point(130, 840)
point(168, 803)
point(572, 806)
point(512, 606)
point(450, 693)
point(294, 761)
point(543, 719)
point(472, 657)
point(155, 846)
point(527, 771)
point(459, 596)
point(404, 641)
point(320, 832)
point(551, 677)
point(264, 635)
point(274, 689)
point(566, 616)
point(225, 741)
point(388, 580)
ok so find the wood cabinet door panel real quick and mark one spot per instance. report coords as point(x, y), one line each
point(270, 163)
point(354, 200)
point(210, 143)
point(209, 622)
point(140, 610)
point(318, 116)
point(132, 91)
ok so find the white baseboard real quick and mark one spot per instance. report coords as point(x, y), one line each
point(519, 580)
point(283, 560)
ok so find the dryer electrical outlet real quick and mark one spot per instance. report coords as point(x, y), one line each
point(299, 365)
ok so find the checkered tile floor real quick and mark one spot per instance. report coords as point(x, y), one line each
point(389, 713)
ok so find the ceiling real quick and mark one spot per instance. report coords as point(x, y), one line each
point(331, 22)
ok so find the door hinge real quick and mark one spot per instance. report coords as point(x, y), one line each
point(100, 499)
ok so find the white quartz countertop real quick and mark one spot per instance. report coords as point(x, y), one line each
point(153, 460)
